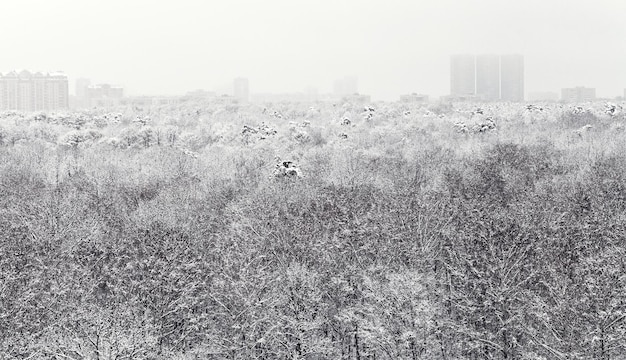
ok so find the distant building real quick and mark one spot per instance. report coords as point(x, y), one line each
point(414, 98)
point(488, 77)
point(297, 97)
point(28, 91)
point(512, 78)
point(200, 94)
point(357, 98)
point(241, 90)
point(462, 75)
point(459, 98)
point(543, 96)
point(578, 94)
point(149, 101)
point(80, 90)
point(104, 91)
point(349, 85)
point(81, 87)
point(225, 100)
point(104, 95)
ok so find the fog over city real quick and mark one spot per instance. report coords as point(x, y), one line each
point(393, 47)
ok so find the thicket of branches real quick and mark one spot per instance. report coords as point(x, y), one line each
point(404, 240)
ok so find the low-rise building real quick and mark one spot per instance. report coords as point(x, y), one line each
point(357, 98)
point(460, 98)
point(103, 95)
point(149, 101)
point(414, 98)
point(578, 94)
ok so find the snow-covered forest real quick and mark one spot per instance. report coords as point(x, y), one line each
point(332, 231)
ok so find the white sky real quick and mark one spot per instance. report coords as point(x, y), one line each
point(393, 46)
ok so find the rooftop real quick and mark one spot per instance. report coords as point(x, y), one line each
point(21, 73)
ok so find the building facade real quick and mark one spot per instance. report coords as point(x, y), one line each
point(104, 95)
point(512, 78)
point(357, 98)
point(80, 92)
point(578, 94)
point(414, 98)
point(28, 91)
point(81, 86)
point(462, 75)
point(488, 77)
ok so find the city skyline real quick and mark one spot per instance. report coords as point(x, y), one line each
point(282, 46)
point(488, 73)
point(491, 78)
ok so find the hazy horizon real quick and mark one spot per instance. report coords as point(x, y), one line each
point(281, 46)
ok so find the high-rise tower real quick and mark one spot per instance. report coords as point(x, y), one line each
point(488, 77)
point(462, 75)
point(512, 77)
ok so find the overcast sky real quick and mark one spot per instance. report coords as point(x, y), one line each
point(393, 47)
